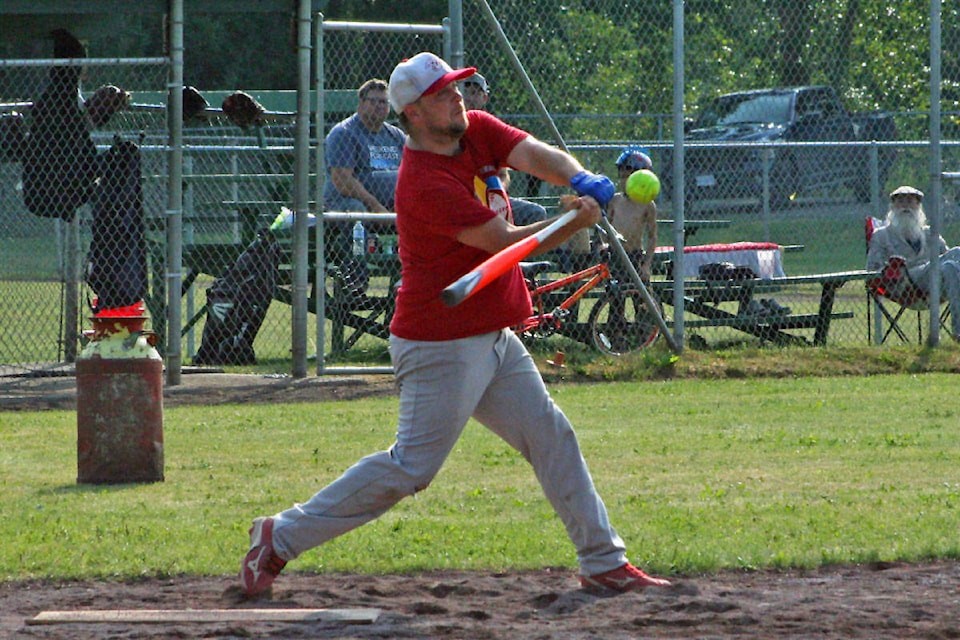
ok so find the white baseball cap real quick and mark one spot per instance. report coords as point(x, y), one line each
point(422, 75)
point(479, 80)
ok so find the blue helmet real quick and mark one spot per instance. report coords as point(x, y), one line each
point(635, 158)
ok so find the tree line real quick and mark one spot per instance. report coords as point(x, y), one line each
point(606, 56)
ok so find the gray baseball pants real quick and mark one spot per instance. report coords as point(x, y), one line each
point(949, 264)
point(442, 384)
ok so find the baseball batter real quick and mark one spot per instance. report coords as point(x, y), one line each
point(453, 363)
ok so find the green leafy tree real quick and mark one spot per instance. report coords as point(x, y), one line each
point(593, 57)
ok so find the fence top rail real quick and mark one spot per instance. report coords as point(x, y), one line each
point(776, 144)
point(83, 62)
point(110, 7)
point(382, 27)
point(278, 102)
point(658, 145)
point(347, 216)
point(188, 148)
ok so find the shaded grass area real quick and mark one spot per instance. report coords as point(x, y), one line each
point(741, 361)
point(698, 474)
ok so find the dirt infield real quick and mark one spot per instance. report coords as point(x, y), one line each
point(60, 392)
point(870, 602)
point(875, 601)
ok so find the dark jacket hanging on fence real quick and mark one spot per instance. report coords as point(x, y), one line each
point(117, 261)
point(59, 156)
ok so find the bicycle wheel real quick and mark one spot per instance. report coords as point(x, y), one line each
point(622, 322)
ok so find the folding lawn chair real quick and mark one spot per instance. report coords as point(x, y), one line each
point(891, 294)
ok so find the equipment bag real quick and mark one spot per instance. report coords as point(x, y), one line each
point(237, 304)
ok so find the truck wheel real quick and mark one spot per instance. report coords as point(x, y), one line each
point(667, 193)
point(861, 188)
point(783, 184)
point(666, 188)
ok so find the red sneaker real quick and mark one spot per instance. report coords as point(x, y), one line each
point(625, 578)
point(262, 565)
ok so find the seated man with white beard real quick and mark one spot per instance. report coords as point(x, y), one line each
point(908, 236)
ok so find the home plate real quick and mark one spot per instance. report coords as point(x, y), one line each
point(155, 616)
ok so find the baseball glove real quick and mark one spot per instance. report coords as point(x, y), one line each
point(105, 102)
point(194, 105)
point(243, 110)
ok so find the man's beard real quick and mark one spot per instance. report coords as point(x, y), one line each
point(452, 131)
point(908, 222)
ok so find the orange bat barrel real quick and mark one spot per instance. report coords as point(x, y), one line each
point(119, 403)
point(499, 263)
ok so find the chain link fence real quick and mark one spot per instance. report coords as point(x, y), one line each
point(362, 268)
point(802, 170)
point(69, 179)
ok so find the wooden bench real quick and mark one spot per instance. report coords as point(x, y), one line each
point(703, 298)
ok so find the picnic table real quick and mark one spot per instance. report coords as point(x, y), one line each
point(703, 298)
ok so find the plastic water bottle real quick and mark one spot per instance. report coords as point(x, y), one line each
point(359, 239)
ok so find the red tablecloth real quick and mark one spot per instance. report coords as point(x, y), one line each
point(765, 258)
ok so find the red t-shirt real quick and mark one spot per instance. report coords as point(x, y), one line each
point(435, 200)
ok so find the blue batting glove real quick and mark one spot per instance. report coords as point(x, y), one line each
point(595, 185)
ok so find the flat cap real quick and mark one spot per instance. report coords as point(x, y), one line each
point(906, 191)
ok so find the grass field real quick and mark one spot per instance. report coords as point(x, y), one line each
point(697, 475)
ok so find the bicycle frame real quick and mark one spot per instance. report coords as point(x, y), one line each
point(552, 320)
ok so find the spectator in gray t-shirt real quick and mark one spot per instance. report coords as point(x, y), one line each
point(363, 155)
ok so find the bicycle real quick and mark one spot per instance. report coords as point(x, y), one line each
point(619, 321)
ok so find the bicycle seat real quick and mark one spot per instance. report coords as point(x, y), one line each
point(534, 269)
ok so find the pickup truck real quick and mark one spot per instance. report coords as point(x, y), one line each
point(734, 168)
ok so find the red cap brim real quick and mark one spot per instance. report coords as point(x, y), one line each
point(447, 78)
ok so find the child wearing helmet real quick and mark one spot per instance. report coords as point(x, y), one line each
point(635, 158)
point(637, 223)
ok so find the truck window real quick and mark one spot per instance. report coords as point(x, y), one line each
point(816, 103)
point(771, 108)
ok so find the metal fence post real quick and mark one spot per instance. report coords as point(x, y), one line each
point(174, 271)
point(301, 187)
